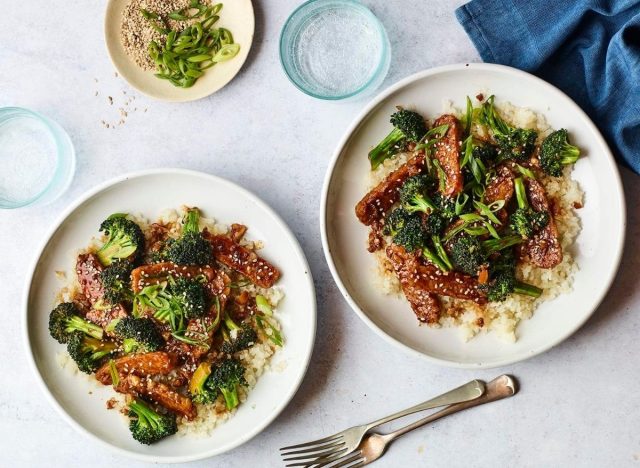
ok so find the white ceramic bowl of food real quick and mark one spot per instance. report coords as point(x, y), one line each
point(80, 401)
point(237, 16)
point(597, 249)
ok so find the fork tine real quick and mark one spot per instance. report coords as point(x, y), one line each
point(351, 458)
point(319, 448)
point(314, 442)
point(360, 463)
point(328, 460)
point(318, 455)
point(324, 461)
point(321, 461)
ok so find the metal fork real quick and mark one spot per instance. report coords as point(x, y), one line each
point(374, 445)
point(335, 446)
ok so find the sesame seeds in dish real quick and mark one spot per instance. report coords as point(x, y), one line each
point(472, 214)
point(178, 315)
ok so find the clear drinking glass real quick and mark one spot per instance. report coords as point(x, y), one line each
point(37, 159)
point(334, 49)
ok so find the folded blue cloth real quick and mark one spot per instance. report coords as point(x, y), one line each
point(588, 48)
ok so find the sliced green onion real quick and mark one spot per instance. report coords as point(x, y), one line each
point(468, 151)
point(496, 206)
point(178, 16)
point(271, 331)
point(113, 371)
point(461, 201)
point(148, 14)
point(263, 305)
point(486, 211)
point(442, 177)
point(468, 119)
point(227, 52)
point(471, 217)
point(525, 171)
point(199, 58)
point(476, 231)
point(225, 36)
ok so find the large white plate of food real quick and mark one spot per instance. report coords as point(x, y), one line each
point(170, 315)
point(473, 214)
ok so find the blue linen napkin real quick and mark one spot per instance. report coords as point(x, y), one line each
point(588, 48)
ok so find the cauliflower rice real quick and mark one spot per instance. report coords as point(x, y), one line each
point(256, 359)
point(503, 317)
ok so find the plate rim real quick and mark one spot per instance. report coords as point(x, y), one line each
point(86, 196)
point(195, 97)
point(345, 139)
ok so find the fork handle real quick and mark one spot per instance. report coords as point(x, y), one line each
point(466, 393)
point(501, 387)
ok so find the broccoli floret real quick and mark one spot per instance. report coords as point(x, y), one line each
point(468, 253)
point(125, 239)
point(191, 248)
point(237, 337)
point(556, 152)
point(513, 143)
point(435, 224)
point(191, 295)
point(408, 126)
point(148, 426)
point(503, 280)
point(525, 221)
point(65, 319)
point(446, 206)
point(175, 301)
point(226, 377)
point(88, 352)
point(116, 281)
point(500, 287)
point(412, 234)
point(138, 335)
point(485, 153)
point(200, 393)
point(395, 221)
point(413, 194)
point(504, 284)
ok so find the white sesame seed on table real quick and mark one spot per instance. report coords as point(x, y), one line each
point(578, 404)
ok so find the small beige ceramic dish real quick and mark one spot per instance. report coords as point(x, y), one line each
point(236, 16)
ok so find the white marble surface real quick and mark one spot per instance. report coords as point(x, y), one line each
point(578, 405)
